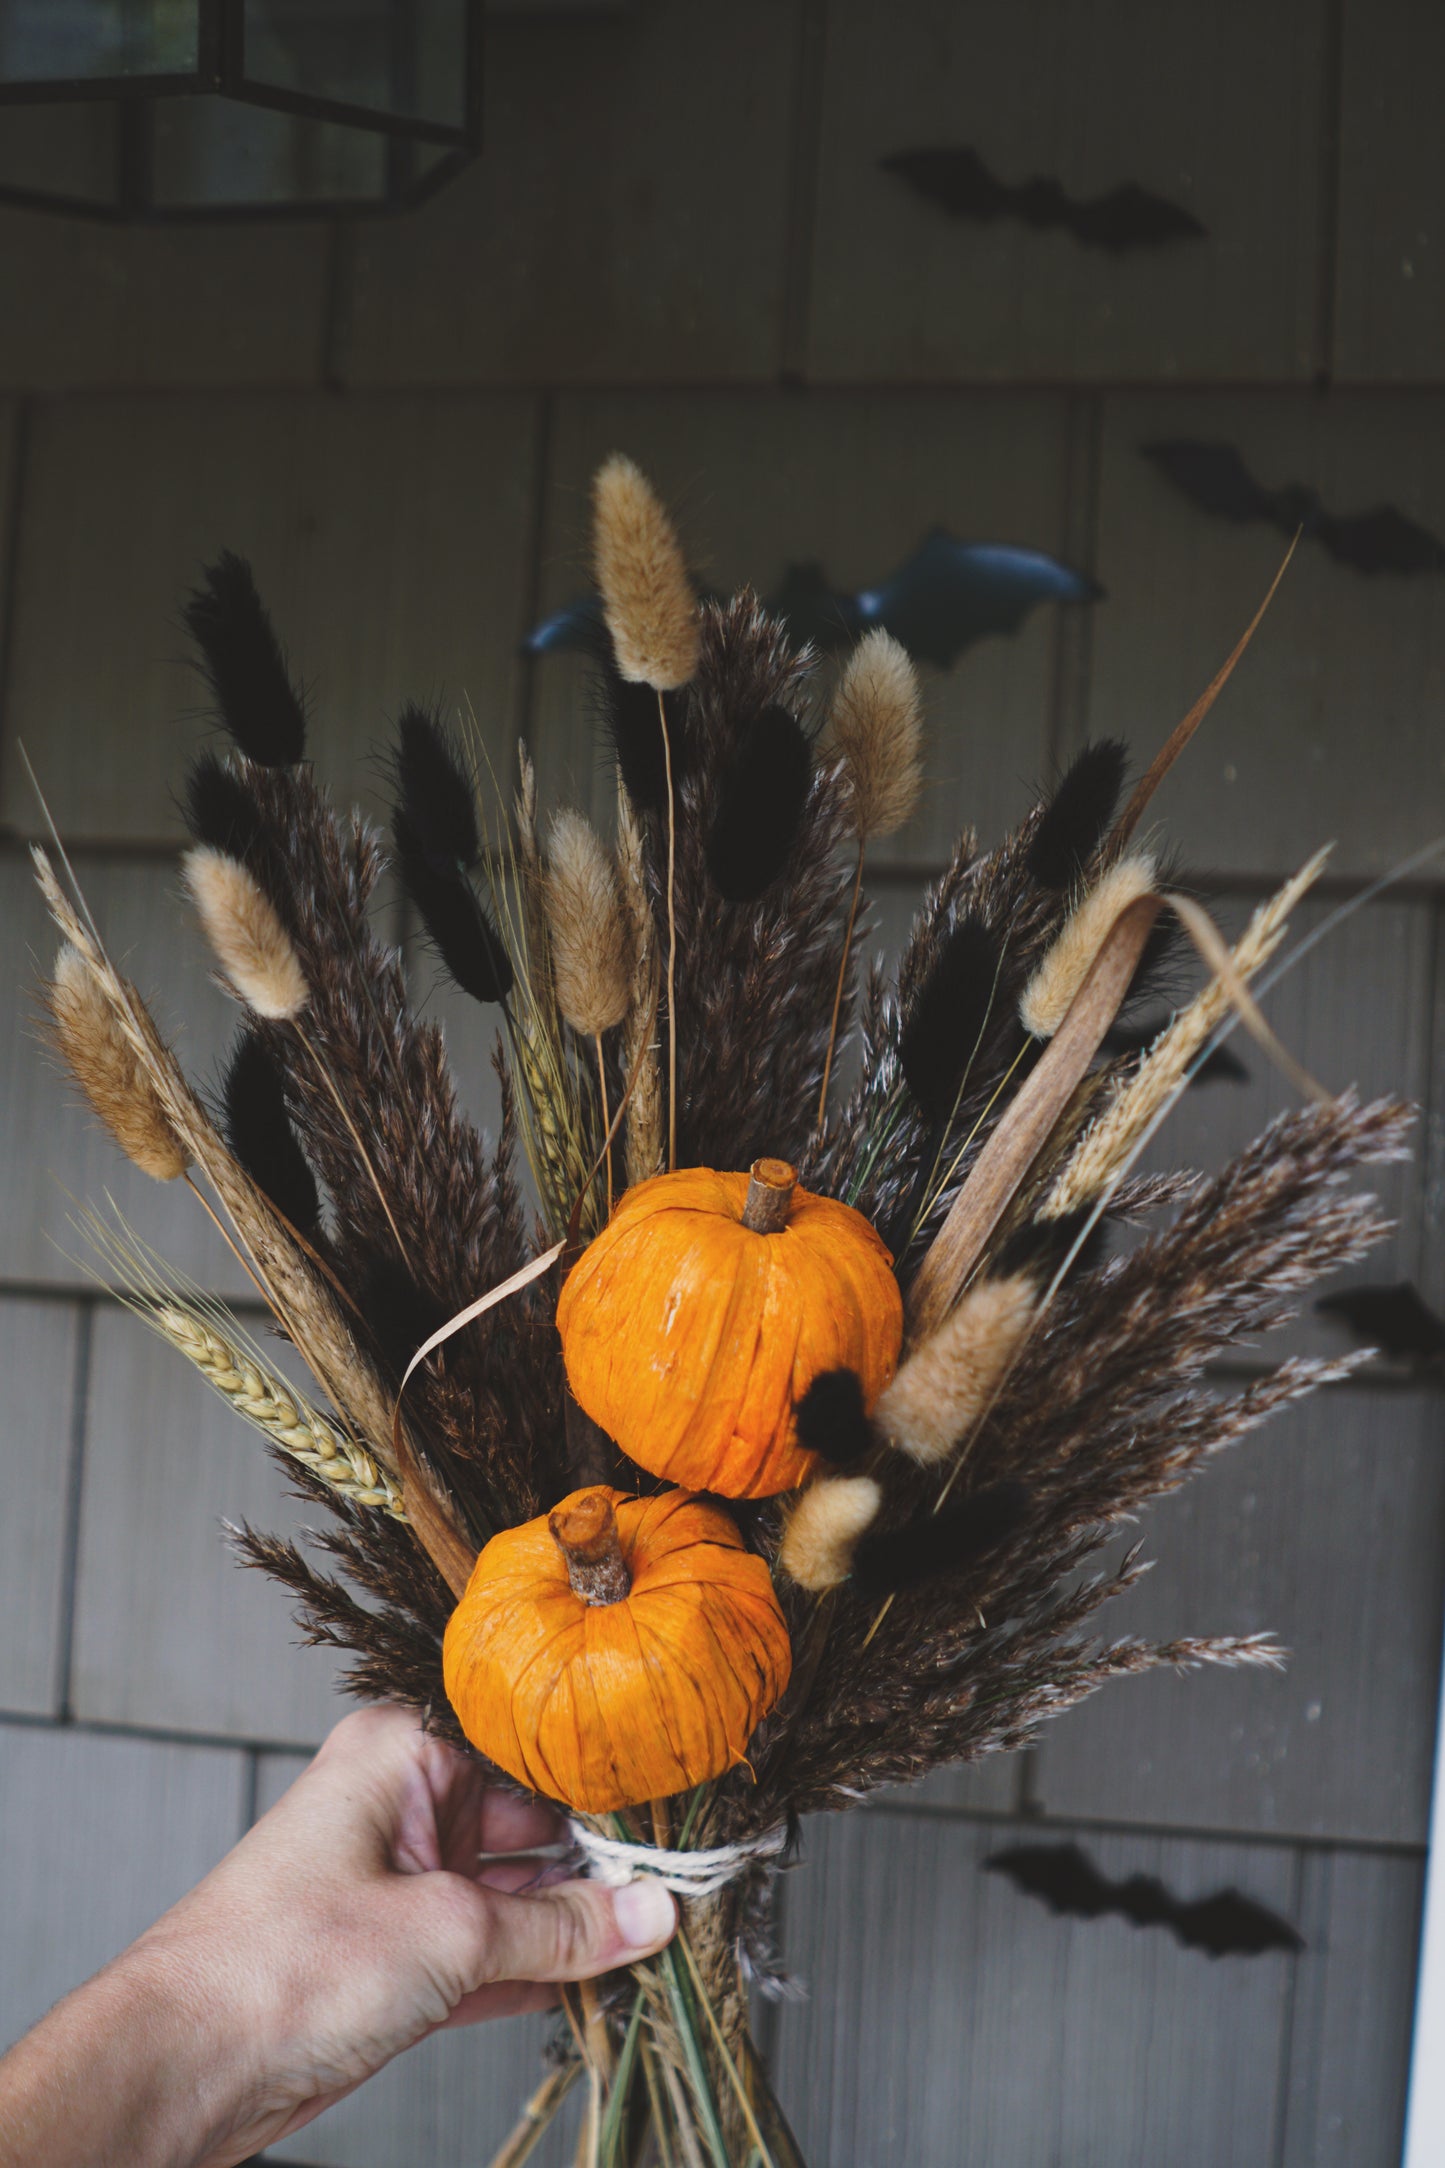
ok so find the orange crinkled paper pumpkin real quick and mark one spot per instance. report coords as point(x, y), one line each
point(690, 1337)
point(605, 1704)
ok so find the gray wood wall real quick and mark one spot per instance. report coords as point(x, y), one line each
point(679, 242)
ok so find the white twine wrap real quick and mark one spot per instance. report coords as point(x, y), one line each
point(686, 1874)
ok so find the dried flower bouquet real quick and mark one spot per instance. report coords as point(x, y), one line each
point(765, 1466)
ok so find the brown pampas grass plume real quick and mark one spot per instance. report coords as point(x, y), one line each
point(592, 954)
point(825, 1528)
point(245, 931)
point(877, 725)
point(646, 1145)
point(1049, 993)
point(105, 1064)
point(647, 596)
point(944, 1386)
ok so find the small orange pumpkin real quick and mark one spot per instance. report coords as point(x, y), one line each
point(703, 1311)
point(616, 1650)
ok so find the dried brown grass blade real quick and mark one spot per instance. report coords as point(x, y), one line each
point(1012, 1149)
point(1215, 951)
point(1183, 731)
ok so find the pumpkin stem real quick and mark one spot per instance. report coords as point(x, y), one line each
point(771, 1183)
point(585, 1532)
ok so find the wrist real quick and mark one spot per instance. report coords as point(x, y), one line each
point(135, 2068)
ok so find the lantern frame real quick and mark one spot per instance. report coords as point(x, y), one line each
point(220, 72)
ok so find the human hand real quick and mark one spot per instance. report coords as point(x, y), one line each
point(349, 1923)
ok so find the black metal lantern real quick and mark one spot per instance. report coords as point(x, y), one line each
point(157, 109)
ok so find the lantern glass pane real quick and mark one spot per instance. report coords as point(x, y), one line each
point(400, 58)
point(217, 154)
point(69, 41)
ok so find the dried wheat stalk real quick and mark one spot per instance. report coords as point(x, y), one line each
point(283, 1414)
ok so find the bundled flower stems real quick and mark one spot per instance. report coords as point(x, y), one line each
point(760, 1461)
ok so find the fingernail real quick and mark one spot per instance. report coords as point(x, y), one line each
point(644, 1913)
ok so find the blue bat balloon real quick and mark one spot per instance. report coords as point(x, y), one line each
point(941, 600)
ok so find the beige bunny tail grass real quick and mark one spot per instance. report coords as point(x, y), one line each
point(646, 1147)
point(282, 1414)
point(824, 1529)
point(1106, 1145)
point(245, 931)
point(1049, 993)
point(647, 597)
point(590, 929)
point(108, 1070)
point(877, 724)
point(944, 1386)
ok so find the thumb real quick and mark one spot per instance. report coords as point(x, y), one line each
point(572, 1931)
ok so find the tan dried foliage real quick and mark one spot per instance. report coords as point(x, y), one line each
point(877, 724)
point(944, 1386)
point(246, 935)
point(647, 597)
point(824, 1528)
point(1050, 992)
point(1106, 1146)
point(108, 1070)
point(591, 935)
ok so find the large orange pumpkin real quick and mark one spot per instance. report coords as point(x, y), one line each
point(616, 1650)
point(701, 1314)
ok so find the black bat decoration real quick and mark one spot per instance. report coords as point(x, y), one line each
point(1063, 1877)
point(1395, 1320)
point(1214, 477)
point(941, 600)
point(958, 182)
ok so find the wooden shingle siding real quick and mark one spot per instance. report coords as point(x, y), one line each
point(391, 539)
point(39, 1344)
point(949, 2017)
point(169, 1630)
point(627, 223)
point(1390, 284)
point(115, 1830)
point(56, 1156)
point(1218, 111)
point(1323, 1530)
point(1354, 2003)
point(1331, 726)
point(853, 483)
point(99, 305)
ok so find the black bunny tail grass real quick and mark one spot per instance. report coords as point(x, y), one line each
point(629, 716)
point(456, 925)
point(433, 790)
point(1038, 1248)
point(259, 1132)
point(956, 1014)
point(940, 1543)
point(244, 666)
point(221, 812)
point(761, 806)
point(1077, 817)
point(831, 1418)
